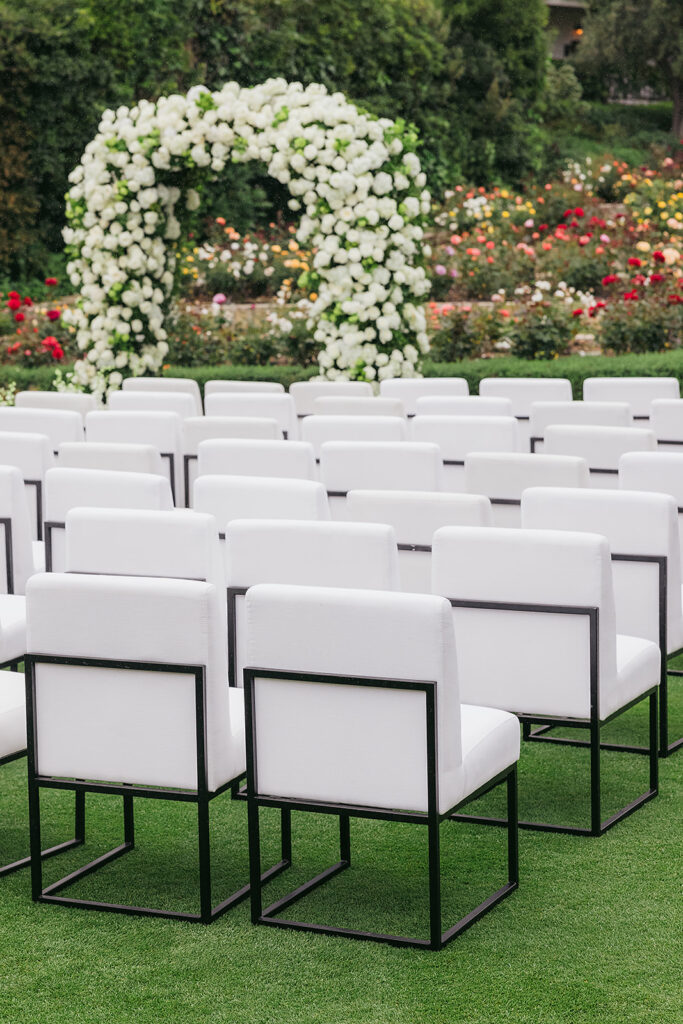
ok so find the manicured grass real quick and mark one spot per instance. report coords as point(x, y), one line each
point(592, 935)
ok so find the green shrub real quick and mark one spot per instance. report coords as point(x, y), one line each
point(641, 326)
point(542, 331)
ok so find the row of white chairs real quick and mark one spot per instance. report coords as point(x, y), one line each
point(515, 598)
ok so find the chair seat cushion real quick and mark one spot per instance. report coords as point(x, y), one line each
point(490, 744)
point(12, 713)
point(39, 555)
point(12, 627)
point(638, 669)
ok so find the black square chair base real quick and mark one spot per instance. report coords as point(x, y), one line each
point(597, 826)
point(437, 938)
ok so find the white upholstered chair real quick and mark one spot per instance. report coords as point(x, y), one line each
point(666, 420)
point(369, 728)
point(162, 430)
point(503, 477)
point(342, 405)
point(164, 384)
point(305, 392)
point(639, 392)
point(127, 677)
point(32, 455)
point(462, 405)
point(362, 556)
point(71, 400)
point(58, 425)
point(17, 565)
point(376, 465)
point(178, 402)
point(415, 516)
point(601, 447)
point(642, 530)
point(411, 390)
point(196, 429)
point(522, 392)
point(535, 620)
point(594, 414)
point(259, 404)
point(318, 429)
point(126, 458)
point(251, 457)
point(255, 497)
point(218, 387)
point(655, 471)
point(93, 488)
point(458, 436)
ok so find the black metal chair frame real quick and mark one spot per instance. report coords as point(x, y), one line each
point(38, 484)
point(594, 723)
point(665, 747)
point(187, 458)
point(9, 555)
point(431, 819)
point(201, 797)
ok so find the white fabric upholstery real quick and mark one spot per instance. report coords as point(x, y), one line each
point(131, 726)
point(14, 507)
point(666, 420)
point(70, 400)
point(32, 455)
point(248, 457)
point(57, 424)
point(634, 523)
point(127, 458)
point(506, 476)
point(177, 402)
point(12, 627)
point(216, 387)
point(160, 429)
point(523, 391)
point(279, 407)
point(304, 392)
point(164, 384)
point(340, 405)
point(12, 713)
point(410, 390)
point(639, 392)
point(458, 436)
point(415, 516)
point(92, 488)
point(604, 414)
point(470, 405)
point(601, 447)
point(364, 745)
point(318, 429)
point(537, 662)
point(253, 497)
point(204, 428)
point(386, 466)
point(655, 471)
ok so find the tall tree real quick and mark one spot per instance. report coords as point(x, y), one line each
point(637, 44)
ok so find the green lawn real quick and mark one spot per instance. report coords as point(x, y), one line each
point(592, 935)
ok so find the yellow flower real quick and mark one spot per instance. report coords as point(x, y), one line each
point(643, 246)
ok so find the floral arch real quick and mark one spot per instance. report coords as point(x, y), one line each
point(354, 178)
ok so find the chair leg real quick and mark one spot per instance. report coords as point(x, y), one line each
point(435, 937)
point(595, 775)
point(654, 759)
point(513, 828)
point(204, 845)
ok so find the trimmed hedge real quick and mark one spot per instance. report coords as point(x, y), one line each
point(575, 368)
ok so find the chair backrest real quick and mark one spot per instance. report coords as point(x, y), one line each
point(164, 384)
point(533, 662)
point(254, 497)
point(601, 447)
point(72, 400)
point(339, 405)
point(92, 488)
point(523, 391)
point(318, 429)
point(178, 402)
point(655, 471)
point(249, 457)
point(459, 405)
point(458, 436)
point(346, 743)
point(666, 420)
point(58, 425)
point(279, 407)
point(127, 458)
point(639, 392)
point(32, 455)
point(131, 726)
point(635, 523)
point(352, 555)
point(603, 414)
point(503, 477)
point(410, 390)
point(217, 387)
point(160, 429)
point(376, 465)
point(415, 517)
point(196, 429)
point(305, 392)
point(16, 552)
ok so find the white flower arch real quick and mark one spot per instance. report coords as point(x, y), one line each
point(356, 179)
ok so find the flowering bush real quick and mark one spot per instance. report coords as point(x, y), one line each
point(355, 177)
point(32, 335)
